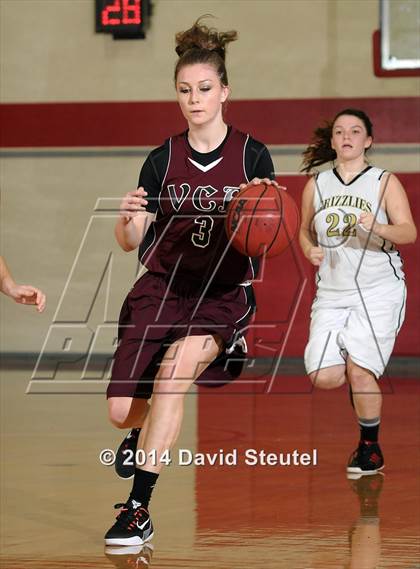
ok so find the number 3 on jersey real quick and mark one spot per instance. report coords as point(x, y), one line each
point(202, 237)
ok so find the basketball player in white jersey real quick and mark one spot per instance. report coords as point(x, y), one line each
point(353, 215)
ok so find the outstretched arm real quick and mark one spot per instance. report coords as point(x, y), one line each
point(22, 294)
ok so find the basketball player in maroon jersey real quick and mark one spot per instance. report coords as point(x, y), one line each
point(186, 313)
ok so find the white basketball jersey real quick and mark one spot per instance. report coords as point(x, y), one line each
point(353, 257)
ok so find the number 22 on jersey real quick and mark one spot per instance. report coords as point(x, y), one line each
point(334, 219)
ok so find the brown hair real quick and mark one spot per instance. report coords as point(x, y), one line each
point(201, 44)
point(320, 150)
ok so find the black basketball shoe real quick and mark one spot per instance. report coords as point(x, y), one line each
point(133, 525)
point(130, 556)
point(227, 366)
point(125, 459)
point(366, 459)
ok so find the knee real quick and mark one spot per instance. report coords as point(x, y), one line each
point(361, 379)
point(327, 379)
point(118, 414)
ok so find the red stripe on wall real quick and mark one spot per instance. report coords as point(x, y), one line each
point(282, 121)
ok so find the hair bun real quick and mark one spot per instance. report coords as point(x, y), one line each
point(200, 36)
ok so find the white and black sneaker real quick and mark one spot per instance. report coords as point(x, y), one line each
point(133, 525)
point(125, 458)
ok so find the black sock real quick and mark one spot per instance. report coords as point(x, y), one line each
point(143, 485)
point(369, 429)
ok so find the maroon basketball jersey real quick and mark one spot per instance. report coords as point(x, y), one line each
point(189, 235)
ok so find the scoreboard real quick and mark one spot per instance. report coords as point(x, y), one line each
point(124, 19)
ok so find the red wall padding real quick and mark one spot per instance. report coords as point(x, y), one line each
point(287, 287)
point(408, 341)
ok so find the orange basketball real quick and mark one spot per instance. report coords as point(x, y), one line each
point(262, 220)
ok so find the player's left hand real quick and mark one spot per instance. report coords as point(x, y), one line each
point(26, 294)
point(367, 222)
point(257, 181)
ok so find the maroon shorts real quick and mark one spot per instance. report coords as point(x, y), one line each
point(155, 314)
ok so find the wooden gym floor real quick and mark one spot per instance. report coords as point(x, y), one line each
point(57, 498)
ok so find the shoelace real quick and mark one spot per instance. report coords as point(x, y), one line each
point(129, 515)
point(365, 450)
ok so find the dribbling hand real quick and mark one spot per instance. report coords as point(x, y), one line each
point(132, 204)
point(257, 181)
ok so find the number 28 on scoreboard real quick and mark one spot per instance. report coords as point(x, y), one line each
point(124, 19)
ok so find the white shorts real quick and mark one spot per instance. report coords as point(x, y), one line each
point(363, 325)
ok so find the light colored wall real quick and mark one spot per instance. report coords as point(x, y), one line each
point(287, 49)
point(47, 206)
point(49, 52)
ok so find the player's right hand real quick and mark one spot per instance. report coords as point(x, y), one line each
point(257, 181)
point(132, 204)
point(315, 255)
